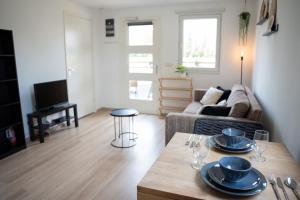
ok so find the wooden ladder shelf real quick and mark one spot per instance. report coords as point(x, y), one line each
point(182, 94)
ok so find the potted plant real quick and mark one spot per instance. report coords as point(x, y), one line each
point(244, 19)
point(181, 69)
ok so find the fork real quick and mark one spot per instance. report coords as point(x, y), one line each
point(273, 182)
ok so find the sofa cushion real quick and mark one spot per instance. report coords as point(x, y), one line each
point(193, 108)
point(222, 103)
point(239, 103)
point(215, 110)
point(225, 95)
point(211, 96)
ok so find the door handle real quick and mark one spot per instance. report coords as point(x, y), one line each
point(156, 69)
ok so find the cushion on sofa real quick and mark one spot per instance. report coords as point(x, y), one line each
point(216, 110)
point(193, 108)
point(225, 95)
point(222, 103)
point(239, 103)
point(211, 96)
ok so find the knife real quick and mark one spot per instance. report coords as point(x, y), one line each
point(272, 181)
point(280, 185)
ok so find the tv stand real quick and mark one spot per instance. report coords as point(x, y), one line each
point(39, 115)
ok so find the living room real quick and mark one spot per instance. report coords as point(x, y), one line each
point(100, 54)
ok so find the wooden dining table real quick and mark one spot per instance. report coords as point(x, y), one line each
point(172, 177)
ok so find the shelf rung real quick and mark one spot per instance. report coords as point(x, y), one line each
point(176, 98)
point(8, 80)
point(171, 108)
point(175, 88)
point(10, 104)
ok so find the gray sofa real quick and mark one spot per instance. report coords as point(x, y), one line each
point(244, 108)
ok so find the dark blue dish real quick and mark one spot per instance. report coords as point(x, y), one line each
point(218, 147)
point(234, 168)
point(232, 135)
point(240, 193)
point(249, 182)
point(242, 144)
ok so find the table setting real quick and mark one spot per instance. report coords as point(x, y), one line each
point(232, 174)
point(226, 166)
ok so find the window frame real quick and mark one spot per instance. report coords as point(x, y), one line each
point(217, 16)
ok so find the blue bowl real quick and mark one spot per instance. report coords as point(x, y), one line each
point(234, 168)
point(233, 135)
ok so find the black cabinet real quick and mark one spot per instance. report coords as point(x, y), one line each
point(12, 138)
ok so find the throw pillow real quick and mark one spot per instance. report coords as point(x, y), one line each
point(222, 103)
point(225, 95)
point(216, 110)
point(211, 96)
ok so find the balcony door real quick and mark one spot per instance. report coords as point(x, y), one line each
point(141, 66)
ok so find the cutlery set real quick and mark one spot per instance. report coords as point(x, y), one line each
point(289, 182)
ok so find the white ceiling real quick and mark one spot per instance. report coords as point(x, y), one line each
point(130, 3)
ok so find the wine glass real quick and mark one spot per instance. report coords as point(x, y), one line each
point(195, 140)
point(200, 151)
point(261, 139)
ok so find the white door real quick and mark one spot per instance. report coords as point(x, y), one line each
point(141, 69)
point(78, 44)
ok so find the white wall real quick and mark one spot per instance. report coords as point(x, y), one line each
point(169, 33)
point(39, 42)
point(276, 76)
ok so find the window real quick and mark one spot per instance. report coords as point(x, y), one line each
point(200, 41)
point(140, 90)
point(141, 63)
point(140, 33)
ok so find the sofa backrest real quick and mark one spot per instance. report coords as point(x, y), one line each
point(255, 112)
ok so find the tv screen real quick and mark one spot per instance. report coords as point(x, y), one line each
point(49, 94)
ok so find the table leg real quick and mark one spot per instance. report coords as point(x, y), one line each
point(129, 128)
point(119, 121)
point(31, 128)
point(115, 128)
point(135, 136)
point(68, 117)
point(75, 116)
point(41, 131)
point(122, 132)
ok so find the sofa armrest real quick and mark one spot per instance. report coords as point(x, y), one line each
point(179, 122)
point(198, 94)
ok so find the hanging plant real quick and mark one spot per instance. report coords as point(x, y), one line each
point(244, 25)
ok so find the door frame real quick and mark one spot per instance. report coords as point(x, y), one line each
point(126, 102)
point(71, 14)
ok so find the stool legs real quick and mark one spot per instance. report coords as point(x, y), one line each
point(120, 141)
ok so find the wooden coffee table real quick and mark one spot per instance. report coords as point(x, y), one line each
point(171, 176)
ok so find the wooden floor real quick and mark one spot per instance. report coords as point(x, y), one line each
point(81, 164)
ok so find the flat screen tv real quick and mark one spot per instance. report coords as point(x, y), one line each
point(50, 94)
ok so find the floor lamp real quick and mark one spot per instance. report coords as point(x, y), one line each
point(242, 62)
